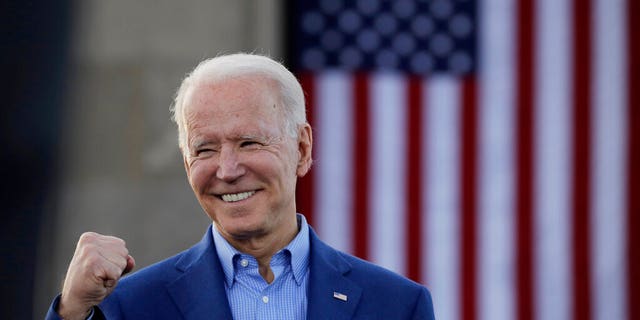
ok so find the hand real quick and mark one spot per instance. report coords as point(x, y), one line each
point(94, 271)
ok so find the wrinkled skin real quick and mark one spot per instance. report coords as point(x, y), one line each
point(237, 146)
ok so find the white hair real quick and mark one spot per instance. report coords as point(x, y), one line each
point(242, 64)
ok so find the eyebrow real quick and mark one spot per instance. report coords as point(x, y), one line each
point(200, 142)
point(250, 137)
point(263, 138)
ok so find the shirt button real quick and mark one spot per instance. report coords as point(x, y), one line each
point(265, 299)
point(244, 262)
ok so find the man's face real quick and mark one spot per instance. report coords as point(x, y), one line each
point(240, 162)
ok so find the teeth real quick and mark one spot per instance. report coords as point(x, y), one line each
point(237, 196)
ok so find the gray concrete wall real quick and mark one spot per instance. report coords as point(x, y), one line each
point(120, 169)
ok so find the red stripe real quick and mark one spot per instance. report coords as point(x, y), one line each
point(305, 187)
point(633, 182)
point(361, 165)
point(468, 199)
point(581, 156)
point(414, 179)
point(524, 156)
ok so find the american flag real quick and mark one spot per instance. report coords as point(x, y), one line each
point(487, 149)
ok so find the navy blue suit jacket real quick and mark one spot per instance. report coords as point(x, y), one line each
point(190, 285)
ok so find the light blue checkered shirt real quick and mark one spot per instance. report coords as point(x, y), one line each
point(250, 296)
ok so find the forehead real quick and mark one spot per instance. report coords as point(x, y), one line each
point(232, 93)
point(241, 101)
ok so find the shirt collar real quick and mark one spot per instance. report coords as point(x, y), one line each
point(298, 248)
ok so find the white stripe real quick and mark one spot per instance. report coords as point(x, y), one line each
point(387, 171)
point(552, 166)
point(496, 290)
point(442, 225)
point(333, 159)
point(608, 192)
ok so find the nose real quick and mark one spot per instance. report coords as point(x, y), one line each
point(229, 165)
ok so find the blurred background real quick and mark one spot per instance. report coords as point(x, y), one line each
point(487, 149)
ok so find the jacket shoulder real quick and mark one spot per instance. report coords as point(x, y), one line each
point(382, 293)
point(386, 291)
point(368, 274)
point(159, 272)
point(144, 291)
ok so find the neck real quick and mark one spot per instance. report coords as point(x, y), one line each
point(264, 246)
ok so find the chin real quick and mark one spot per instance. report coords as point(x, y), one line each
point(240, 228)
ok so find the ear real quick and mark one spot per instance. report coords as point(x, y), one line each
point(305, 144)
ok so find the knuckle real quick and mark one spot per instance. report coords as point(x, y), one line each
point(87, 237)
point(113, 272)
point(87, 249)
point(115, 241)
point(92, 260)
point(121, 246)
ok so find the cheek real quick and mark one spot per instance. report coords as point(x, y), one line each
point(272, 165)
point(200, 174)
point(291, 163)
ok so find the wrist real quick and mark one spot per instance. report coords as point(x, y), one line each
point(75, 315)
point(70, 312)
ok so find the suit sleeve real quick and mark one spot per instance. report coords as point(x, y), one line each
point(424, 307)
point(52, 314)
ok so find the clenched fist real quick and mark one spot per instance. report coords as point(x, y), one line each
point(94, 271)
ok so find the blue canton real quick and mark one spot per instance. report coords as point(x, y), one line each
point(250, 296)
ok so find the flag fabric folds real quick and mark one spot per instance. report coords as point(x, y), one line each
point(487, 149)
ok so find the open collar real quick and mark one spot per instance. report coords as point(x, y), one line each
point(331, 295)
point(298, 249)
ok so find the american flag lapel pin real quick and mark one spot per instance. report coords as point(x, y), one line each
point(340, 296)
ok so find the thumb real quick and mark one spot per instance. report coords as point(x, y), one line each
point(131, 263)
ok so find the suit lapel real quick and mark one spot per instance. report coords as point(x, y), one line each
point(328, 287)
point(199, 292)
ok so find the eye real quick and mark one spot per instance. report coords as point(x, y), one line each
point(249, 143)
point(204, 152)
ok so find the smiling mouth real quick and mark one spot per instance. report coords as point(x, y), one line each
point(234, 197)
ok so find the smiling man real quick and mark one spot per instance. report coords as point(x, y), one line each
point(245, 141)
